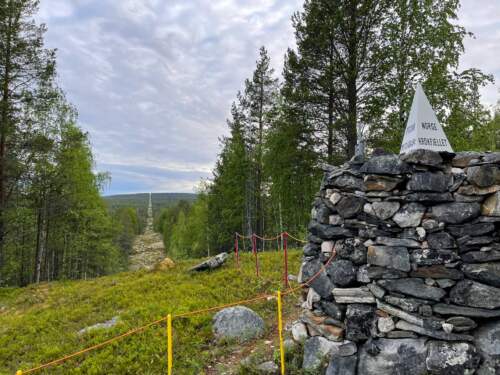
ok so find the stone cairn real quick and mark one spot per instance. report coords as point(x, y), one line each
point(414, 287)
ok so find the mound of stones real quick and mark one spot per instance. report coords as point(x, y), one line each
point(414, 287)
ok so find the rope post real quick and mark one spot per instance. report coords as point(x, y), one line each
point(254, 250)
point(169, 344)
point(236, 252)
point(285, 256)
point(280, 332)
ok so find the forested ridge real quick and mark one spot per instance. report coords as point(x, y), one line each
point(351, 76)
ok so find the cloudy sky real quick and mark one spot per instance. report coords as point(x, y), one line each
point(153, 80)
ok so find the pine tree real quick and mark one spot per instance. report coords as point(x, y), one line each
point(339, 48)
point(257, 103)
point(25, 65)
point(292, 159)
point(227, 194)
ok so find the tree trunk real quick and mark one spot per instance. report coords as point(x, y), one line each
point(352, 74)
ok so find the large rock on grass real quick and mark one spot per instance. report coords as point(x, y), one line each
point(237, 323)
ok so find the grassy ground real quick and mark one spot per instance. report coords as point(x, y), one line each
point(40, 323)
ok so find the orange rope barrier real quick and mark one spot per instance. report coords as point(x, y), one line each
point(181, 315)
point(295, 238)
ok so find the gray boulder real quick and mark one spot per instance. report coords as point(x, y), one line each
point(237, 323)
point(446, 358)
point(395, 357)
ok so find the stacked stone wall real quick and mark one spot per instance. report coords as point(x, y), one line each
point(414, 287)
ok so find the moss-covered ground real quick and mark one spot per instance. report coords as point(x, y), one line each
point(41, 323)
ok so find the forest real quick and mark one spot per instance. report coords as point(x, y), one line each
point(349, 76)
point(54, 223)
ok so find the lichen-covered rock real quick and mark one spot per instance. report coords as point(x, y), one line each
point(409, 215)
point(342, 272)
point(395, 357)
point(446, 358)
point(359, 321)
point(237, 323)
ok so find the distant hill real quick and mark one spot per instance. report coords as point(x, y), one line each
point(140, 200)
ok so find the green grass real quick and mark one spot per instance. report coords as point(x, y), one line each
point(40, 323)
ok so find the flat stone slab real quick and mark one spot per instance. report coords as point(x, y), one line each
point(413, 287)
point(473, 294)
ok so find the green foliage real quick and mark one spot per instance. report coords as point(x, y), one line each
point(40, 323)
point(53, 222)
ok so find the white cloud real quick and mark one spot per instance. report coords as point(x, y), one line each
point(153, 80)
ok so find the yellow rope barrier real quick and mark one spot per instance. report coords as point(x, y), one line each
point(280, 333)
point(169, 345)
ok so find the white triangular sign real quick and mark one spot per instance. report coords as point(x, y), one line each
point(423, 130)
